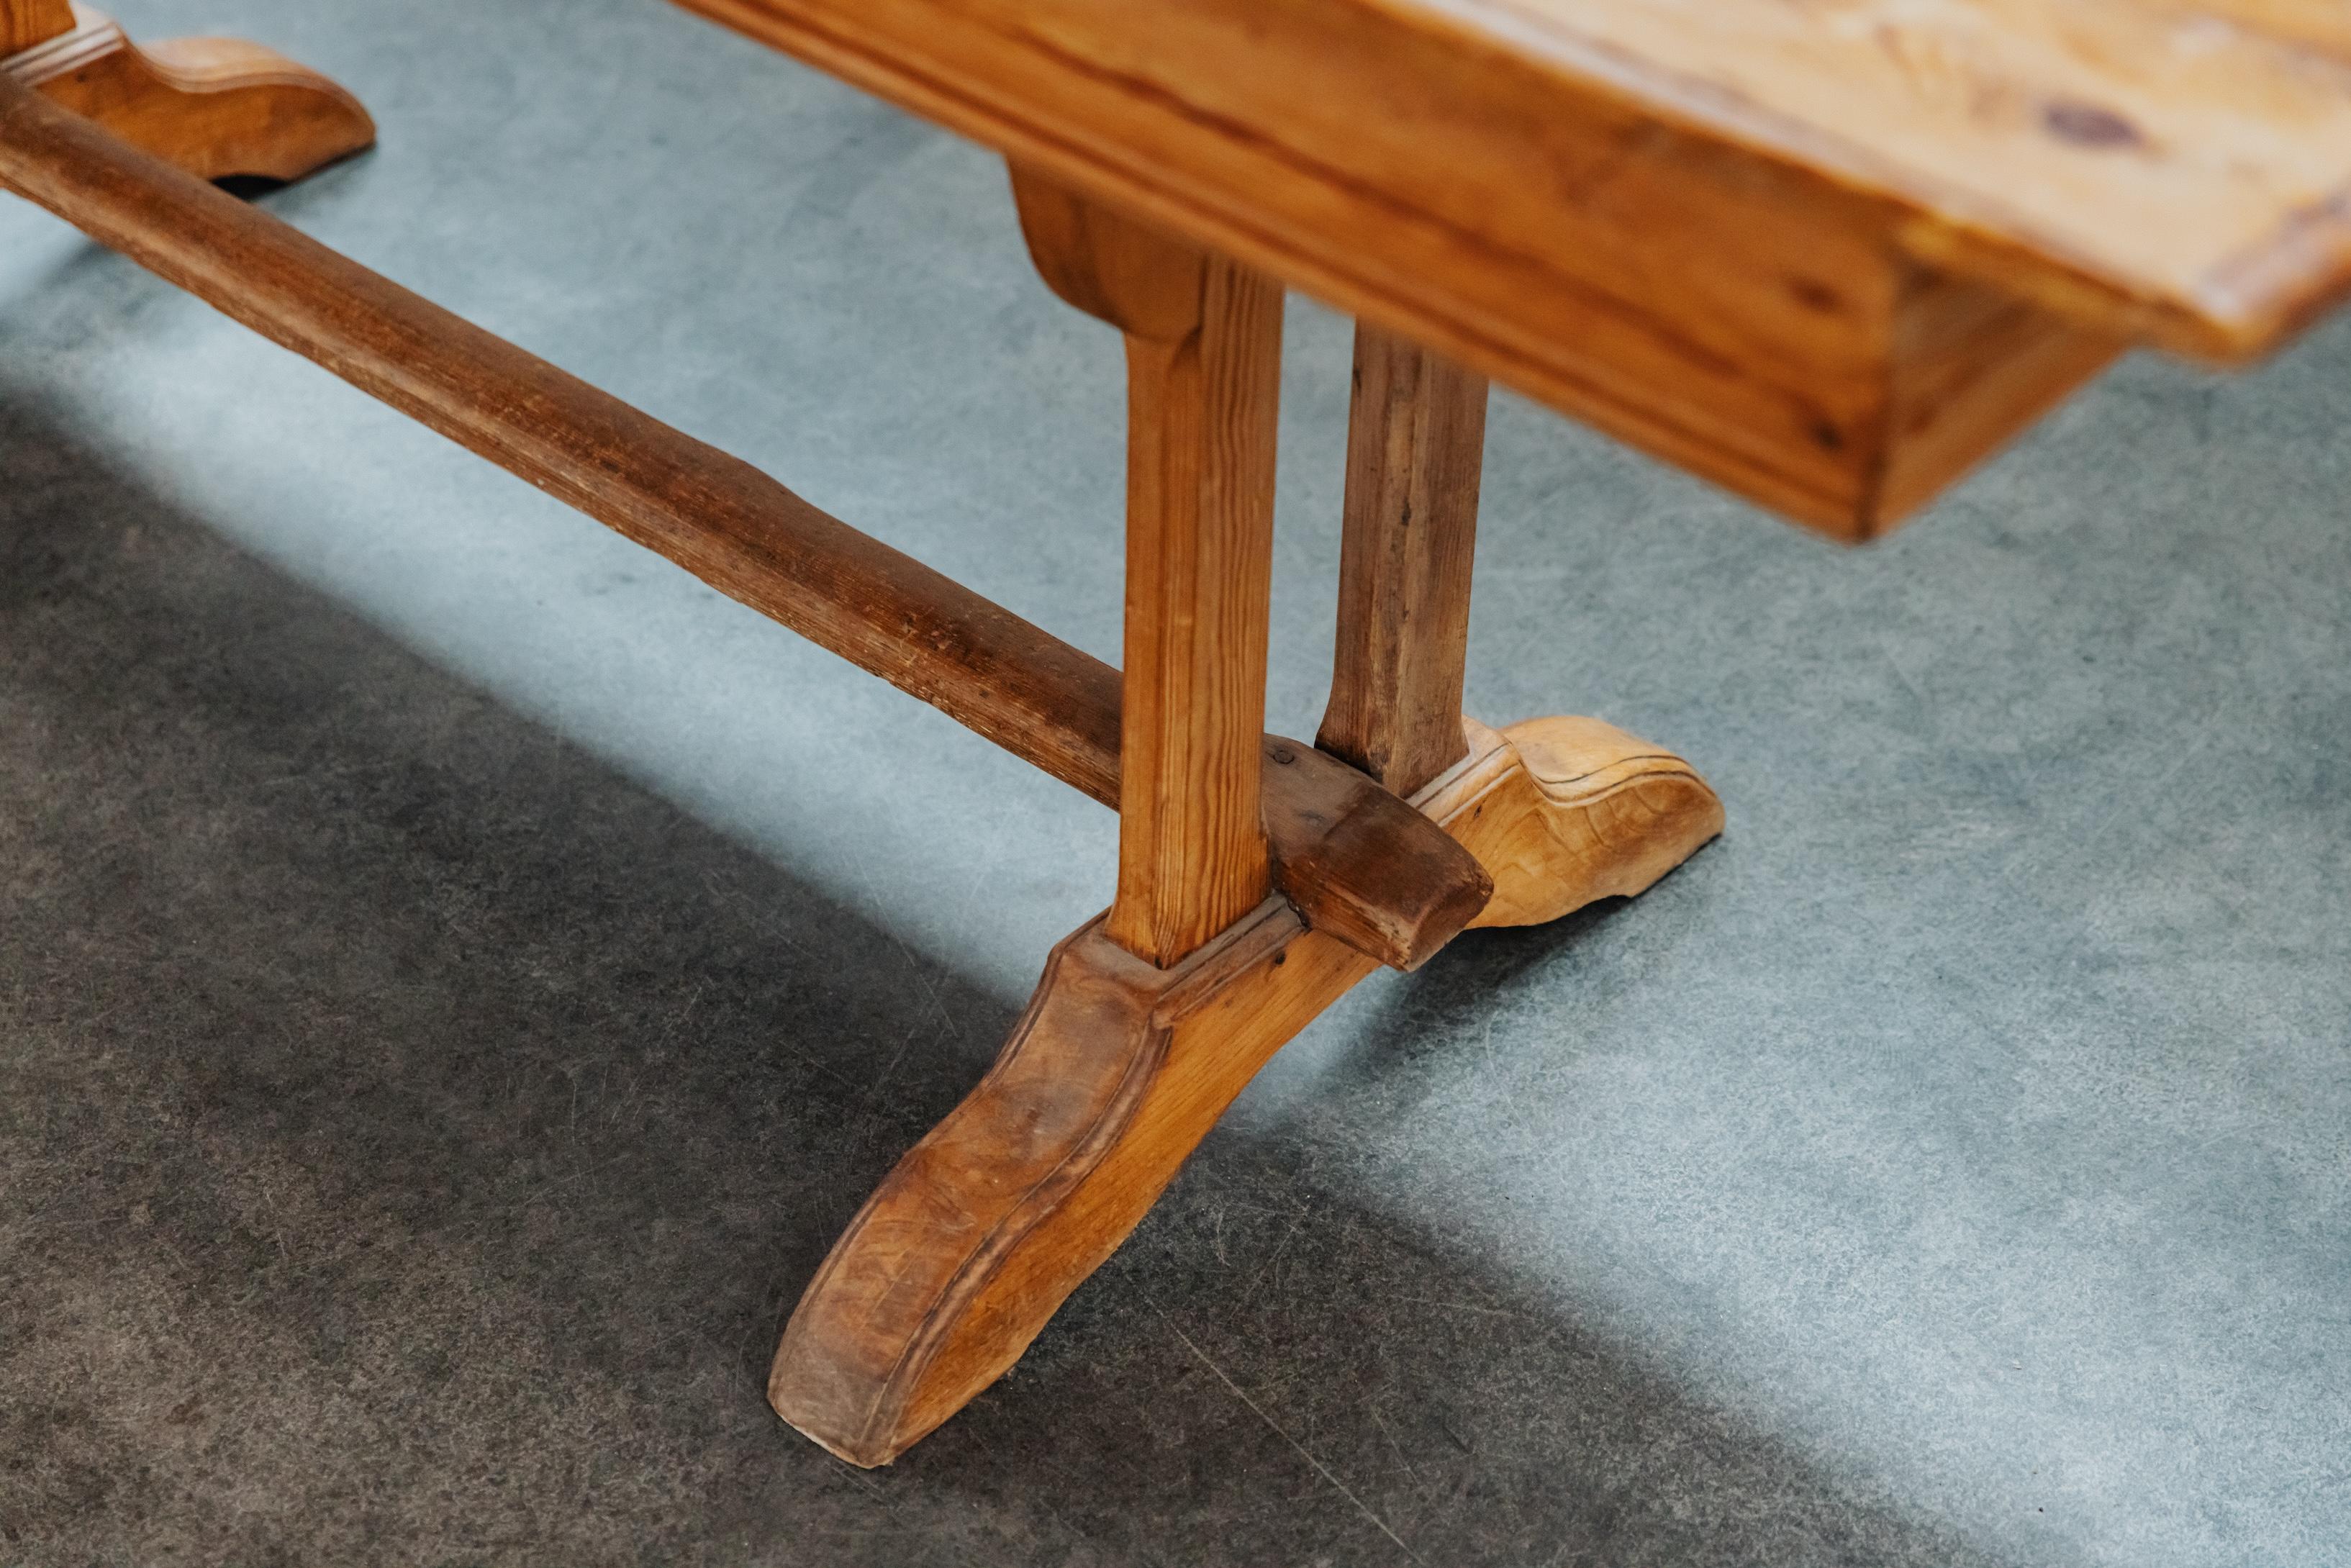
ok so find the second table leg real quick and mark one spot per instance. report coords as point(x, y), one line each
point(1559, 810)
point(1415, 446)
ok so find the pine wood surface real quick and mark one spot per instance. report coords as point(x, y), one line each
point(212, 107)
point(1416, 450)
point(2183, 166)
point(1360, 864)
point(24, 23)
point(1204, 379)
point(1192, 855)
point(1563, 810)
point(1734, 258)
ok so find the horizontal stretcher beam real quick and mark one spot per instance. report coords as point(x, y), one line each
point(1353, 858)
point(714, 515)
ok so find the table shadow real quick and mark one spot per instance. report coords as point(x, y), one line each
point(412, 1132)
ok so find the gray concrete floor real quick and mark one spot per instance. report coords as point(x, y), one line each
point(457, 974)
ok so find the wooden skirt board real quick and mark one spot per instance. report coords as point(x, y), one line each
point(1834, 303)
point(1828, 255)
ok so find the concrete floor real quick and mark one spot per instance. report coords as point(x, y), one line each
point(457, 974)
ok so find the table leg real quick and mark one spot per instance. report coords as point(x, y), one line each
point(1150, 1018)
point(1148, 1021)
point(214, 107)
point(1204, 373)
point(1561, 811)
point(1415, 441)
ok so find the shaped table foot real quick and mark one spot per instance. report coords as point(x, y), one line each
point(214, 107)
point(1563, 812)
point(1118, 1069)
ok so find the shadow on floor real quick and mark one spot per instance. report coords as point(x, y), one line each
point(413, 1133)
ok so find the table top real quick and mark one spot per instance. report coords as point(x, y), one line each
point(1773, 240)
point(2191, 156)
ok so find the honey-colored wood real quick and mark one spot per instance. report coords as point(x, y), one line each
point(1416, 447)
point(2175, 166)
point(1716, 234)
point(213, 107)
point(713, 514)
point(1192, 854)
point(1204, 374)
point(1971, 368)
point(1137, 1039)
point(1356, 861)
point(1562, 811)
point(24, 23)
point(1118, 1068)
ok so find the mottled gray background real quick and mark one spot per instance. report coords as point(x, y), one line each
point(457, 974)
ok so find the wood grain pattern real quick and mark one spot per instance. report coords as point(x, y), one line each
point(1119, 1068)
point(2189, 160)
point(1416, 449)
point(1562, 811)
point(24, 23)
point(1717, 278)
point(1971, 368)
point(1204, 374)
point(213, 107)
point(2180, 168)
point(1360, 864)
point(714, 515)
point(1192, 855)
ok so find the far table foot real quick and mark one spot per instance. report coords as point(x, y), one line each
point(213, 107)
point(1563, 811)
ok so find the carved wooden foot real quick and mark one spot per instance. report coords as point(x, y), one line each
point(1563, 812)
point(1119, 1069)
point(214, 107)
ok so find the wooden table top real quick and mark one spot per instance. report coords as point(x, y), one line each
point(2189, 158)
point(1826, 252)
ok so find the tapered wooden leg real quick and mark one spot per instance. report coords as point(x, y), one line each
point(214, 107)
point(1561, 811)
point(1415, 441)
point(1204, 372)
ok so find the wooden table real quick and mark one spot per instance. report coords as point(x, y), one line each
point(1827, 253)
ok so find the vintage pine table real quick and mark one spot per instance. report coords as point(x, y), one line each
point(1826, 253)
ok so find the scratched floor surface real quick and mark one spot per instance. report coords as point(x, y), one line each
point(457, 975)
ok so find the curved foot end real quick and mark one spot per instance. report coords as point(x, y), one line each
point(1564, 810)
point(214, 107)
point(1118, 1069)
point(1110, 1077)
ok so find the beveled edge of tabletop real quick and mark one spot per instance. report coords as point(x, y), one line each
point(2242, 306)
point(2233, 307)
